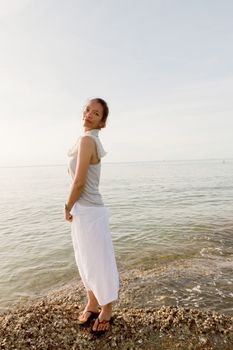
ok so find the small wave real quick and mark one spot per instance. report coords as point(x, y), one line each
point(194, 289)
point(209, 251)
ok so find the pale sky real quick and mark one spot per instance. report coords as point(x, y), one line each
point(164, 67)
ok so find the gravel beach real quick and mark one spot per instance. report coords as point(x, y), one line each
point(50, 322)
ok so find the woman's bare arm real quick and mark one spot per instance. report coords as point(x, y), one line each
point(85, 152)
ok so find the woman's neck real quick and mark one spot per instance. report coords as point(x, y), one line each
point(88, 129)
point(94, 132)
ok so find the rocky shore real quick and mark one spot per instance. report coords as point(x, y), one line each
point(50, 323)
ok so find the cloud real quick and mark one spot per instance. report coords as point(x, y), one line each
point(11, 7)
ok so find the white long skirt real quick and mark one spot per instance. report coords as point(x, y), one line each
point(94, 252)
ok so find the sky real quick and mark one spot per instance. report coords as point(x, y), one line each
point(165, 67)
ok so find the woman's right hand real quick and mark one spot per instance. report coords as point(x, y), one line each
point(68, 216)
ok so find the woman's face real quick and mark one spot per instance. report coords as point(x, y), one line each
point(92, 115)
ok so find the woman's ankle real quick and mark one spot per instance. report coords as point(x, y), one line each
point(107, 309)
point(92, 307)
point(92, 302)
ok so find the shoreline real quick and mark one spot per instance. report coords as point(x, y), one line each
point(186, 282)
point(49, 322)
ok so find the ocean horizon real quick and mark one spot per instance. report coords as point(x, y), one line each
point(223, 159)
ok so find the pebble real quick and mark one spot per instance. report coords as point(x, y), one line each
point(49, 323)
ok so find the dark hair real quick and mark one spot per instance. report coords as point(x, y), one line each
point(105, 107)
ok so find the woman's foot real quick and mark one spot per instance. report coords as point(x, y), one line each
point(91, 310)
point(102, 323)
point(88, 314)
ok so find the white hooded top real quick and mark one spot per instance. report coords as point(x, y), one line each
point(90, 195)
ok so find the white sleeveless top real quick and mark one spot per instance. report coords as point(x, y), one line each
point(90, 195)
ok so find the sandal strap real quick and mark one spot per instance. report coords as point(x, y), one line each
point(91, 312)
point(85, 312)
point(103, 322)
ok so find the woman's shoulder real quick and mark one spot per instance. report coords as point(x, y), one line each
point(86, 141)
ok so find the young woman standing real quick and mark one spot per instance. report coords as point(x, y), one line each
point(84, 208)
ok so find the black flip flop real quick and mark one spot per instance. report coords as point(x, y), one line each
point(93, 315)
point(96, 332)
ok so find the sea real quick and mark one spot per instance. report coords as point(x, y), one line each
point(173, 214)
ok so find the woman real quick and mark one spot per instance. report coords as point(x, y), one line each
point(90, 232)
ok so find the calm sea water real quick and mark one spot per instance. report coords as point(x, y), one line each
point(173, 214)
